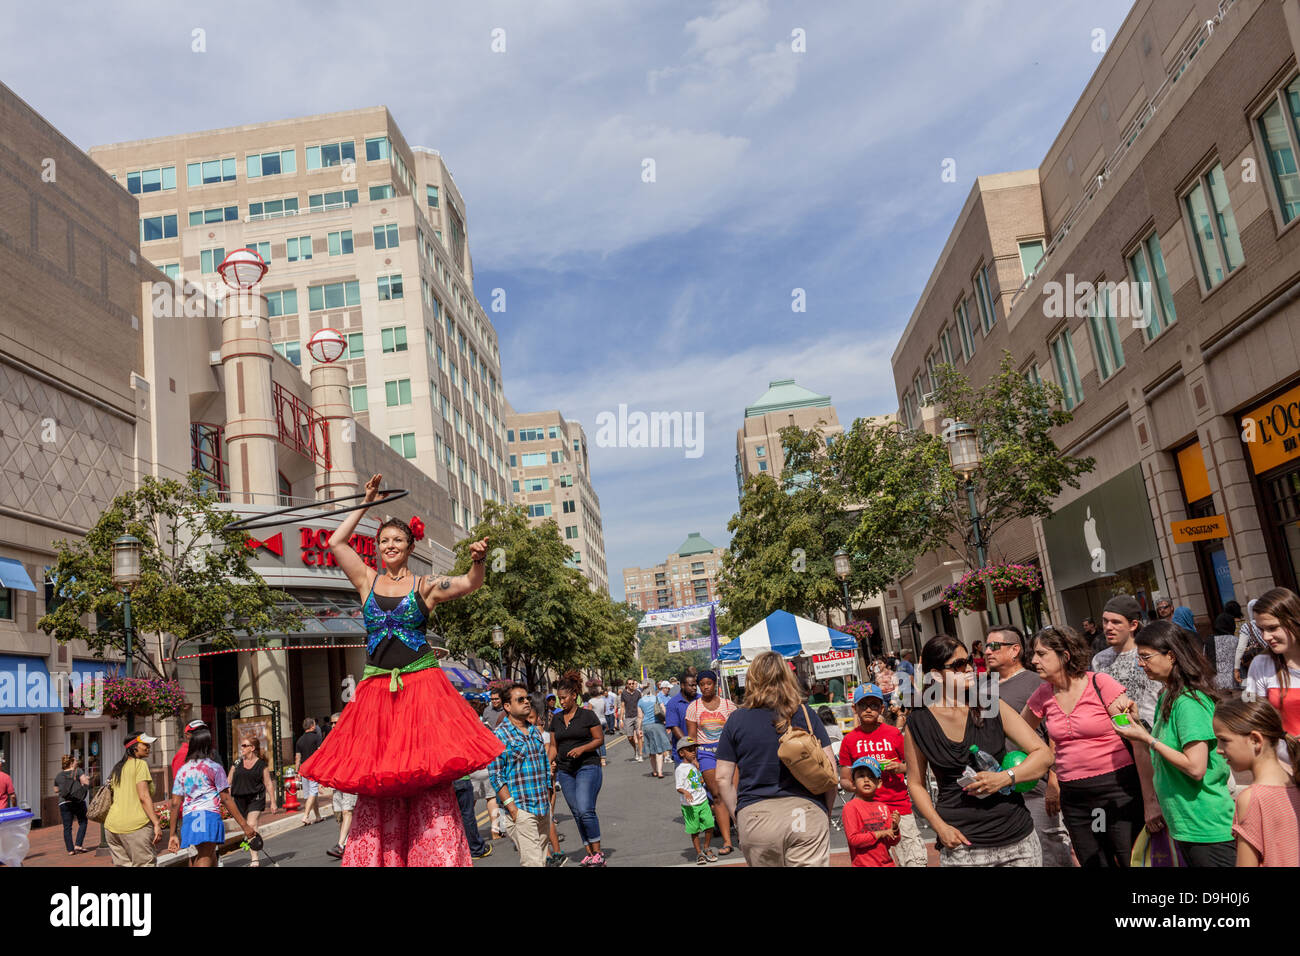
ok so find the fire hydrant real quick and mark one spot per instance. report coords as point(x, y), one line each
point(291, 791)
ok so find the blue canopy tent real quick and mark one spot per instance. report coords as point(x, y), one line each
point(789, 636)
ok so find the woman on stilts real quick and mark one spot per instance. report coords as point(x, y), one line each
point(407, 735)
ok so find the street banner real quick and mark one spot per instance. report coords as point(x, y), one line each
point(834, 664)
point(690, 644)
point(898, 638)
point(678, 615)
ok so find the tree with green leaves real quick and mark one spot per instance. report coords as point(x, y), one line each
point(195, 581)
point(549, 614)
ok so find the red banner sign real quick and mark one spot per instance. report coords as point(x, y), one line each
point(315, 546)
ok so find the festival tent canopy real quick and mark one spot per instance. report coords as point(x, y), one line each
point(789, 636)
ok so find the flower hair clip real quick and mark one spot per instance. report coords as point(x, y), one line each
point(417, 529)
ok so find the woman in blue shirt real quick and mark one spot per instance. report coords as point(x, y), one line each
point(652, 725)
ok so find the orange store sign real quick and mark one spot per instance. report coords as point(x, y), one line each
point(1272, 432)
point(1199, 529)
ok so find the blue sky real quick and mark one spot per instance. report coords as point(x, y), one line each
point(774, 170)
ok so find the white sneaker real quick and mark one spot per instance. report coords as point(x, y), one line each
point(640, 759)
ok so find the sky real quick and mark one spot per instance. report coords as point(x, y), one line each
point(649, 183)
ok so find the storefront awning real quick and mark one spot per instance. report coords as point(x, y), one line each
point(14, 575)
point(26, 687)
point(462, 677)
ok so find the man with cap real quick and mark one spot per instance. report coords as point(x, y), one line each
point(664, 696)
point(876, 739)
point(184, 749)
point(1120, 621)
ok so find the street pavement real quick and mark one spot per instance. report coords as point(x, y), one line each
point(640, 820)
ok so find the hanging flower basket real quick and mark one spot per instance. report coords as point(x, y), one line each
point(1009, 581)
point(861, 630)
point(143, 697)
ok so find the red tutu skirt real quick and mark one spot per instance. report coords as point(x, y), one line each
point(399, 744)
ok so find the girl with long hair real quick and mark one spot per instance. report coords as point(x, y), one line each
point(199, 792)
point(1190, 777)
point(1267, 819)
point(132, 812)
point(759, 792)
point(577, 736)
point(407, 735)
point(1274, 675)
point(976, 822)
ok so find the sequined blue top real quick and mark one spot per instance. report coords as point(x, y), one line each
point(404, 624)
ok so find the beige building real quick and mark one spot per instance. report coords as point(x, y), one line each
point(785, 403)
point(687, 576)
point(364, 234)
point(102, 382)
point(1171, 191)
point(550, 475)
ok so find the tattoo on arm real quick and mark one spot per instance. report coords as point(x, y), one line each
point(445, 583)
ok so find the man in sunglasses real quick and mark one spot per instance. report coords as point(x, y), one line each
point(1007, 654)
point(877, 739)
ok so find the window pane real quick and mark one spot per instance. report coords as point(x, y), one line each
point(315, 298)
point(352, 292)
point(169, 177)
point(270, 164)
point(1162, 280)
point(1031, 253)
point(288, 161)
point(334, 296)
point(1281, 160)
point(1225, 221)
point(228, 169)
point(193, 174)
point(253, 166)
point(1203, 229)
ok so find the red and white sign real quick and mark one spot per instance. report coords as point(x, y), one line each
point(834, 663)
point(315, 546)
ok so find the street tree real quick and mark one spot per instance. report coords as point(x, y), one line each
point(195, 581)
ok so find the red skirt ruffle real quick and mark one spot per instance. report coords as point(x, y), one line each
point(399, 744)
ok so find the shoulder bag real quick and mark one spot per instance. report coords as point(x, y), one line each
point(803, 755)
point(100, 804)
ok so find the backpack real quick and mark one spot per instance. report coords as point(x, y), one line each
point(100, 804)
point(803, 755)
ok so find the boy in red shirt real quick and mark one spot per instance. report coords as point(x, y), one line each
point(870, 826)
point(875, 738)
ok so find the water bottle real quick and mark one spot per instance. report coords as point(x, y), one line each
point(987, 764)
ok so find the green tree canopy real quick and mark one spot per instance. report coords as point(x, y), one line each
point(195, 584)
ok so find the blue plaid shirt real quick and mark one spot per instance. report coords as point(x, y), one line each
point(522, 768)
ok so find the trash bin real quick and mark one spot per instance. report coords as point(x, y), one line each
point(14, 825)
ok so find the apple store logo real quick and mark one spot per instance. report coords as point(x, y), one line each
point(1095, 550)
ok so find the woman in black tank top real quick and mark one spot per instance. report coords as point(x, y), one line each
point(977, 825)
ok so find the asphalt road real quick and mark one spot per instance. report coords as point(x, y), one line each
point(640, 819)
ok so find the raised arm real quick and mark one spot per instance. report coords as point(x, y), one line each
point(436, 590)
point(346, 558)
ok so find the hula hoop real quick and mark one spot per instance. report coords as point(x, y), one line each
point(269, 519)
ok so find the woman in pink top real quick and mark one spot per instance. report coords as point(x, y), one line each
point(1267, 821)
point(1094, 769)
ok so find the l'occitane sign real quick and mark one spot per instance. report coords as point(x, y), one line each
point(1272, 431)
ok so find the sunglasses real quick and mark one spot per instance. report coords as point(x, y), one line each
point(996, 646)
point(961, 664)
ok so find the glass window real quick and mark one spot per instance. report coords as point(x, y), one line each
point(1154, 294)
point(381, 192)
point(570, 531)
point(334, 295)
point(403, 444)
point(386, 236)
point(171, 270)
point(431, 194)
point(158, 227)
point(760, 451)
point(331, 154)
point(211, 171)
point(203, 217)
point(1067, 372)
point(556, 457)
point(263, 249)
point(376, 148)
point(356, 344)
point(1279, 125)
point(338, 199)
point(271, 164)
point(289, 350)
point(984, 298)
point(273, 208)
point(1031, 254)
point(209, 259)
point(398, 392)
point(340, 243)
point(1105, 334)
point(151, 180)
point(964, 330)
point(394, 339)
point(390, 287)
point(945, 345)
point(360, 403)
point(298, 248)
point(284, 302)
point(533, 459)
point(1218, 244)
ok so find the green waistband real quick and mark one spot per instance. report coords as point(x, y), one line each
point(395, 673)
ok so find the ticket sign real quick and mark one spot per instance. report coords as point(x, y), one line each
point(1199, 529)
point(1272, 431)
point(834, 664)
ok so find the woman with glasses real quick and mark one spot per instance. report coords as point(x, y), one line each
point(1094, 769)
point(251, 787)
point(132, 813)
point(977, 823)
point(1190, 775)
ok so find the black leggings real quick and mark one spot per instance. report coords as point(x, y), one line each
point(73, 809)
point(1208, 854)
point(1104, 815)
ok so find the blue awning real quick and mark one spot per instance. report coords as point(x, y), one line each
point(463, 678)
point(26, 687)
point(14, 575)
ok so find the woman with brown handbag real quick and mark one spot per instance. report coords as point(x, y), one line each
point(781, 822)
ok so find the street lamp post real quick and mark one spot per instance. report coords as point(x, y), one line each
point(126, 575)
point(843, 565)
point(498, 641)
point(965, 459)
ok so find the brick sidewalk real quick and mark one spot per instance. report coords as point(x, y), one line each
point(47, 847)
